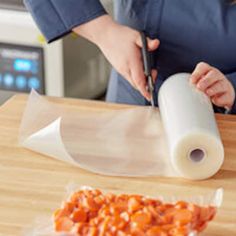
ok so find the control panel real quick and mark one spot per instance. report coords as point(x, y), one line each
point(21, 68)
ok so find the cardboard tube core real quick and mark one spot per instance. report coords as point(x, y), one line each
point(197, 155)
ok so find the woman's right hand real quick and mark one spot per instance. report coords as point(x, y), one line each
point(122, 47)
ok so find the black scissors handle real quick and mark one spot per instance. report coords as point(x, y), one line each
point(147, 67)
point(146, 55)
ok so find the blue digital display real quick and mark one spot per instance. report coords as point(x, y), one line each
point(23, 65)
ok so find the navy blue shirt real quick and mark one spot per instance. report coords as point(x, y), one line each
point(190, 31)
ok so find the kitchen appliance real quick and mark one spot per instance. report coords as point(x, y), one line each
point(70, 67)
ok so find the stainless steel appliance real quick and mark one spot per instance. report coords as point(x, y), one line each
point(70, 67)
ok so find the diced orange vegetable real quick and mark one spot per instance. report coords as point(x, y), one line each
point(79, 216)
point(63, 224)
point(78, 228)
point(118, 222)
point(168, 227)
point(134, 204)
point(90, 204)
point(117, 208)
point(137, 232)
point(182, 217)
point(93, 231)
point(99, 200)
point(91, 213)
point(156, 231)
point(181, 205)
point(141, 219)
point(60, 213)
point(75, 197)
point(181, 231)
point(104, 226)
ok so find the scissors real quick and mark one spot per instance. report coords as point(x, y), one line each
point(147, 68)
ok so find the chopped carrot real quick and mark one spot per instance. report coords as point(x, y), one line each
point(96, 192)
point(79, 216)
point(90, 204)
point(181, 231)
point(93, 231)
point(168, 227)
point(69, 206)
point(104, 226)
point(75, 197)
point(156, 231)
point(99, 200)
point(181, 205)
point(118, 222)
point(137, 232)
point(141, 219)
point(63, 224)
point(61, 213)
point(78, 228)
point(91, 213)
point(134, 204)
point(125, 216)
point(110, 197)
point(117, 208)
point(182, 217)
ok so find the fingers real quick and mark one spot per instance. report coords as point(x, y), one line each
point(222, 101)
point(137, 71)
point(140, 83)
point(201, 69)
point(152, 44)
point(139, 78)
point(136, 75)
point(128, 77)
point(209, 79)
point(214, 84)
point(216, 89)
point(154, 75)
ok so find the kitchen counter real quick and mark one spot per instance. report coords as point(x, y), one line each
point(33, 185)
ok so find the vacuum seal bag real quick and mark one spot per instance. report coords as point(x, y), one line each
point(88, 211)
point(180, 140)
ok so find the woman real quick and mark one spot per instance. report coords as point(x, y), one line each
point(195, 36)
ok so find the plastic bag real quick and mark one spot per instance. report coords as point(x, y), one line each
point(45, 226)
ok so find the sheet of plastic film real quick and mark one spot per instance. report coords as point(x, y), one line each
point(124, 142)
point(132, 141)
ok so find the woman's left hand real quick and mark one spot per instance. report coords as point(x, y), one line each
point(214, 84)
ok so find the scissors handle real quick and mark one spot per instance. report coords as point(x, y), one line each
point(147, 67)
point(146, 55)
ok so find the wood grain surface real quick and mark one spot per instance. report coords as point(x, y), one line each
point(33, 185)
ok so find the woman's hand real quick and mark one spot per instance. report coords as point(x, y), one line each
point(121, 45)
point(214, 84)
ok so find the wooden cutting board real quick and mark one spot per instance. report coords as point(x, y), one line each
point(33, 185)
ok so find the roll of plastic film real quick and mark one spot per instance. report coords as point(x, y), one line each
point(195, 146)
